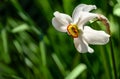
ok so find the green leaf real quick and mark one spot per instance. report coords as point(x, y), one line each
point(116, 10)
point(20, 28)
point(59, 64)
point(68, 5)
point(5, 52)
point(76, 71)
point(43, 53)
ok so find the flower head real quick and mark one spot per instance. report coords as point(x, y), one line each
point(75, 27)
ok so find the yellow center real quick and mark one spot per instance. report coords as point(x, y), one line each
point(73, 30)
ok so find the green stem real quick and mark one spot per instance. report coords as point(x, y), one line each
point(113, 60)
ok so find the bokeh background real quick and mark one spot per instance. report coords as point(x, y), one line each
point(30, 47)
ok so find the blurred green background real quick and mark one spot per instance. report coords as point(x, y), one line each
point(30, 47)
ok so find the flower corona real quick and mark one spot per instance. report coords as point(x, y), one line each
point(73, 30)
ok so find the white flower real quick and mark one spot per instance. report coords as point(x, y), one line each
point(75, 26)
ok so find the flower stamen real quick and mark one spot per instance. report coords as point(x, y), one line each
point(73, 30)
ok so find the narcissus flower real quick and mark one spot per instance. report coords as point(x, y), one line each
point(75, 27)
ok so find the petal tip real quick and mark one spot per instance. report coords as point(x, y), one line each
point(94, 7)
point(55, 13)
point(90, 50)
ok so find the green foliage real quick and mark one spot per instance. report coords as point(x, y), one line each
point(30, 48)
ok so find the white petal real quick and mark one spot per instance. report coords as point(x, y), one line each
point(85, 7)
point(58, 26)
point(85, 17)
point(63, 18)
point(95, 37)
point(81, 8)
point(82, 46)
